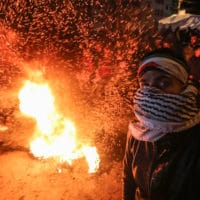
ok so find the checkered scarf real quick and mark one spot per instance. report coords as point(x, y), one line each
point(159, 114)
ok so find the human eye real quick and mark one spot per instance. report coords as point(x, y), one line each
point(164, 83)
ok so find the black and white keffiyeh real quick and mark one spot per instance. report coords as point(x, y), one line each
point(159, 114)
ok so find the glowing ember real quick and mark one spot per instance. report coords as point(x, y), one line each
point(3, 128)
point(55, 135)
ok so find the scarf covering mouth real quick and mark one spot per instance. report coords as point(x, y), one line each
point(159, 114)
point(172, 66)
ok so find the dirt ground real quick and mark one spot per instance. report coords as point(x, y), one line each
point(23, 177)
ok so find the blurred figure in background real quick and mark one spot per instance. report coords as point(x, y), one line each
point(181, 32)
point(162, 156)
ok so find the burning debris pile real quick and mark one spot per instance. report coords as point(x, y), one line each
point(55, 135)
point(86, 53)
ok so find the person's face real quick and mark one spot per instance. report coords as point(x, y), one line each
point(161, 80)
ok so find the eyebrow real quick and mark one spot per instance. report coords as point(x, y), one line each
point(160, 77)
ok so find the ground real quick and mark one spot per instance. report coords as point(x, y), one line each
point(26, 178)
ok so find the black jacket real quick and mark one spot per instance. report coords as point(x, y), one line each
point(168, 169)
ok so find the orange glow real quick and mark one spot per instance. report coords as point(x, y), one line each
point(55, 135)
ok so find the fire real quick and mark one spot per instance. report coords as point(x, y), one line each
point(55, 135)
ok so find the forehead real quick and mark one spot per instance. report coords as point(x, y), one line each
point(155, 74)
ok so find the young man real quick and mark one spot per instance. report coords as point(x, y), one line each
point(162, 156)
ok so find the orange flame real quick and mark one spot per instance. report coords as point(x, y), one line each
point(56, 135)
